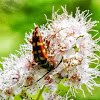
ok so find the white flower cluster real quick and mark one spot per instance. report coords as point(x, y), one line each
point(65, 37)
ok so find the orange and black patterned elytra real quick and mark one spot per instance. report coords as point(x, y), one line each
point(39, 51)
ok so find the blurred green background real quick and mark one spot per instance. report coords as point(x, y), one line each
point(19, 16)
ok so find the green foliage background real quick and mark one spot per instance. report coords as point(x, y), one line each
point(19, 16)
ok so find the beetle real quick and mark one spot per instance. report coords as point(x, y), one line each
point(39, 52)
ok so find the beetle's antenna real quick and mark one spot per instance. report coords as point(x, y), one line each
point(47, 72)
point(43, 76)
point(50, 70)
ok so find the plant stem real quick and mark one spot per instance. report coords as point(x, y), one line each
point(40, 93)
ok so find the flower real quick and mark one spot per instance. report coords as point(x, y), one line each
point(65, 37)
point(68, 37)
point(19, 73)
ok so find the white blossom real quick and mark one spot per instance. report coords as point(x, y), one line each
point(67, 38)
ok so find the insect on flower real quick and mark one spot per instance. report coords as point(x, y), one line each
point(39, 52)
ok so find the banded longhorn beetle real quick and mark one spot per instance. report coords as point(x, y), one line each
point(39, 52)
